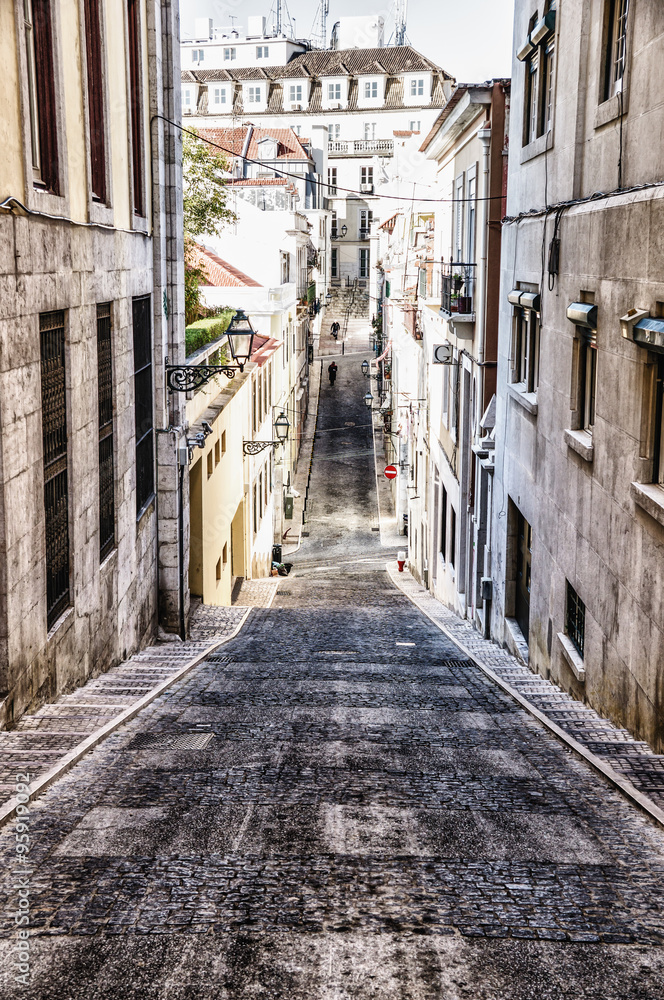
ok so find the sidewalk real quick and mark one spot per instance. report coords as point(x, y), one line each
point(50, 740)
point(626, 761)
point(301, 480)
point(356, 340)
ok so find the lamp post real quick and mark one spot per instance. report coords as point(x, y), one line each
point(368, 400)
point(365, 368)
point(188, 378)
point(281, 426)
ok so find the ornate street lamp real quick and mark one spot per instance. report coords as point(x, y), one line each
point(188, 378)
point(368, 400)
point(365, 368)
point(281, 426)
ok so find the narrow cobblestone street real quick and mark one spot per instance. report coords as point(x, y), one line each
point(338, 805)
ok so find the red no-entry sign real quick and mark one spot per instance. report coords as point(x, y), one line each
point(390, 472)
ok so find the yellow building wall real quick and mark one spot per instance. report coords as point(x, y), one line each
point(11, 160)
point(72, 84)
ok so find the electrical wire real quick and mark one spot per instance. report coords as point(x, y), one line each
point(535, 213)
point(286, 173)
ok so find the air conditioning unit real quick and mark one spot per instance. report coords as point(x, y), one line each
point(336, 106)
point(296, 107)
point(186, 111)
point(366, 188)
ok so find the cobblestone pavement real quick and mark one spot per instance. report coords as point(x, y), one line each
point(40, 739)
point(632, 758)
point(338, 805)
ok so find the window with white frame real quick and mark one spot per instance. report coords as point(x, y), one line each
point(616, 47)
point(415, 126)
point(297, 129)
point(417, 88)
point(331, 181)
point(230, 54)
point(370, 89)
point(366, 176)
point(364, 262)
point(334, 92)
point(370, 130)
point(262, 51)
point(333, 131)
point(539, 67)
point(197, 55)
point(526, 353)
point(254, 95)
point(365, 220)
point(333, 231)
point(218, 95)
point(471, 211)
point(458, 218)
point(334, 263)
point(186, 98)
point(295, 93)
point(588, 380)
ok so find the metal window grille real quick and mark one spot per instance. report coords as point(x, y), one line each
point(56, 493)
point(105, 394)
point(576, 619)
point(143, 402)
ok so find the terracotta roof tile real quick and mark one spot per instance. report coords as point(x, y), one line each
point(220, 273)
point(232, 139)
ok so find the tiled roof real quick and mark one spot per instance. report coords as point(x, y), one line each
point(258, 182)
point(220, 273)
point(289, 146)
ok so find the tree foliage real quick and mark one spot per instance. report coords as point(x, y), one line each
point(205, 209)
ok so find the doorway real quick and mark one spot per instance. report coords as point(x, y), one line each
point(524, 544)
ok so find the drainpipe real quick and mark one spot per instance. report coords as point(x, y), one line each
point(484, 135)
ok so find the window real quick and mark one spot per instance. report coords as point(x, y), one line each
point(458, 212)
point(186, 98)
point(365, 220)
point(254, 413)
point(331, 181)
point(143, 402)
point(105, 408)
point(224, 554)
point(452, 559)
point(297, 129)
point(371, 88)
point(546, 123)
point(658, 413)
point(575, 619)
point(230, 55)
point(334, 92)
point(443, 524)
point(296, 93)
point(334, 263)
point(262, 51)
point(616, 47)
point(333, 131)
point(366, 175)
point(532, 95)
point(369, 130)
point(54, 433)
point(415, 126)
point(527, 349)
point(254, 95)
point(285, 267)
point(588, 380)
point(417, 88)
point(95, 100)
point(136, 103)
point(255, 506)
point(219, 95)
point(41, 88)
point(223, 442)
point(210, 464)
point(197, 55)
point(333, 232)
point(364, 262)
point(217, 454)
point(471, 194)
point(539, 60)
point(218, 569)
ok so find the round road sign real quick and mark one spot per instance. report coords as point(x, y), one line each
point(390, 472)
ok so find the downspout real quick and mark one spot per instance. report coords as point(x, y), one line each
point(484, 135)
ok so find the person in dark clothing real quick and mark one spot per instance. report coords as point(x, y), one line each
point(335, 330)
point(332, 372)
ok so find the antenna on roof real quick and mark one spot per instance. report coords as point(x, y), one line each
point(400, 15)
point(319, 27)
point(282, 23)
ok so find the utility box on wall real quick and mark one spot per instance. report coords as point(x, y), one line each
point(288, 507)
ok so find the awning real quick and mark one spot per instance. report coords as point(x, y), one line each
point(527, 300)
point(582, 314)
point(649, 332)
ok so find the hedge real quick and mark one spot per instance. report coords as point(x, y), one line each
point(204, 331)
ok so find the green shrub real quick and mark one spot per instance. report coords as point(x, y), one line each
point(204, 331)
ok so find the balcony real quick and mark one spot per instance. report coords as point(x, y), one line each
point(361, 147)
point(458, 291)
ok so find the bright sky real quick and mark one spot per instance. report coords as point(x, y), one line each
point(471, 39)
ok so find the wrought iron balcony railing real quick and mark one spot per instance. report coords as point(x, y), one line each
point(458, 288)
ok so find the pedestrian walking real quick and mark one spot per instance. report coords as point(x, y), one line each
point(332, 372)
point(335, 330)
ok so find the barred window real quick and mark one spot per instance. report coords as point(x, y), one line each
point(575, 621)
point(105, 395)
point(56, 492)
point(143, 402)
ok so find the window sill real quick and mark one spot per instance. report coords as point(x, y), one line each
point(581, 442)
point(609, 110)
point(650, 497)
point(528, 400)
point(536, 147)
point(572, 658)
point(516, 641)
point(63, 623)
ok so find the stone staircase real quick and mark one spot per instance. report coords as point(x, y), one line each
point(349, 300)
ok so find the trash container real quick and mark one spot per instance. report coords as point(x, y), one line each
point(276, 553)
